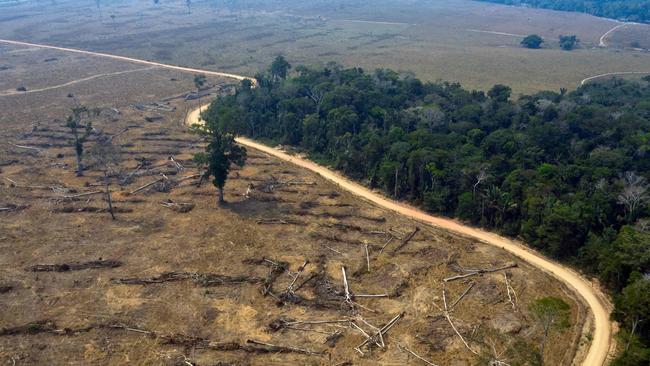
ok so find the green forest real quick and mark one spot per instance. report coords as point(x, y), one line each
point(565, 172)
point(629, 10)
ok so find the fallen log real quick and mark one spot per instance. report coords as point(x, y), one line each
point(78, 266)
point(383, 330)
point(406, 240)
point(148, 185)
point(178, 207)
point(202, 279)
point(42, 326)
point(272, 348)
point(10, 207)
point(474, 272)
point(273, 221)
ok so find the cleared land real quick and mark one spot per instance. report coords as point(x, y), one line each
point(434, 39)
point(160, 284)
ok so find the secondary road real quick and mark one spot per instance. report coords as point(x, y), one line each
point(602, 336)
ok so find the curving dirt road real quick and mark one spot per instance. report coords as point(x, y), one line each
point(602, 337)
point(586, 80)
point(97, 76)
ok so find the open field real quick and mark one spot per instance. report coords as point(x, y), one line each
point(209, 249)
point(456, 40)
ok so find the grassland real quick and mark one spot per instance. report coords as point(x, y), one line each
point(446, 40)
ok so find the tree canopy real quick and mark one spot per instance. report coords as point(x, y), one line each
point(568, 43)
point(532, 41)
point(630, 10)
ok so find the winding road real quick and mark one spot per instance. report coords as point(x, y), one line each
point(586, 80)
point(602, 336)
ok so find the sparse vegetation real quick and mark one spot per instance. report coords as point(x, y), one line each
point(552, 314)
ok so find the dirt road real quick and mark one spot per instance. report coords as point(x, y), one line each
point(97, 76)
point(586, 80)
point(603, 39)
point(126, 59)
point(602, 337)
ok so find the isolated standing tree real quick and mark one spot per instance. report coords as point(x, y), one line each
point(279, 68)
point(568, 43)
point(221, 151)
point(80, 137)
point(532, 41)
point(552, 313)
point(107, 158)
point(113, 20)
point(199, 81)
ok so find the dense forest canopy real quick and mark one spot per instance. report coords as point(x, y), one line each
point(566, 172)
point(629, 10)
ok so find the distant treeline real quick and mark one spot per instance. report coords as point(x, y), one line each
point(629, 10)
point(566, 172)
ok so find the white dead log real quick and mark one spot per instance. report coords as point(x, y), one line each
point(163, 178)
point(416, 355)
point(26, 147)
point(446, 314)
point(383, 330)
point(462, 295)
point(474, 272)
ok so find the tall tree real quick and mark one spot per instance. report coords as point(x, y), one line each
point(221, 151)
point(106, 157)
point(75, 124)
point(199, 81)
point(279, 68)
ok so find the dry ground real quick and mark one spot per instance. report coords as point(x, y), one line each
point(434, 39)
point(84, 312)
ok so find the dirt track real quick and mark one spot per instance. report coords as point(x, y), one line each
point(586, 80)
point(602, 337)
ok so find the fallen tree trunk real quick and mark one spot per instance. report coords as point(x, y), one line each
point(66, 267)
point(202, 279)
point(473, 272)
point(406, 240)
